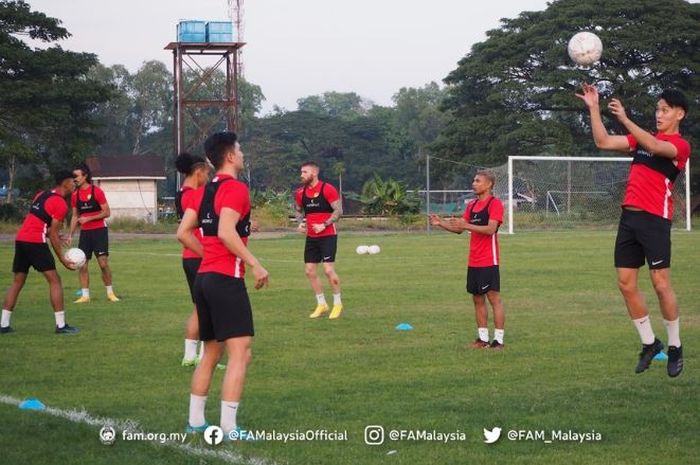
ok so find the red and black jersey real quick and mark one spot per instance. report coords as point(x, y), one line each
point(651, 177)
point(483, 249)
point(184, 200)
point(222, 191)
point(46, 206)
point(316, 202)
point(89, 201)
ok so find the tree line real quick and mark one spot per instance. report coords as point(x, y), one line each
point(511, 94)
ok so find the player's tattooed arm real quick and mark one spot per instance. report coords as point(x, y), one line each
point(337, 213)
point(298, 214)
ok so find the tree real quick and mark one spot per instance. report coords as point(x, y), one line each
point(139, 117)
point(514, 93)
point(46, 96)
point(152, 96)
point(346, 105)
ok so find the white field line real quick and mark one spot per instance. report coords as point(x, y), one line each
point(133, 426)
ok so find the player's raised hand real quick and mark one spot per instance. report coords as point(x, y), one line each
point(590, 95)
point(617, 109)
point(434, 220)
point(261, 276)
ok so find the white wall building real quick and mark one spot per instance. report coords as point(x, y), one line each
point(130, 183)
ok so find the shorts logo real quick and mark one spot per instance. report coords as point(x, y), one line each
point(654, 263)
point(485, 287)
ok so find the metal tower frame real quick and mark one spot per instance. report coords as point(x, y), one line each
point(185, 100)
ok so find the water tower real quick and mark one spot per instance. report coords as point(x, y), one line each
point(203, 102)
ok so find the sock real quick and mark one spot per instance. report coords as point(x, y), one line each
point(197, 404)
point(646, 333)
point(321, 299)
point(484, 334)
point(109, 290)
point(60, 319)
point(86, 292)
point(190, 349)
point(201, 351)
point(336, 299)
point(228, 416)
point(498, 335)
point(673, 329)
point(5, 321)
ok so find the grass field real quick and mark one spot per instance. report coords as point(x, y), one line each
point(568, 365)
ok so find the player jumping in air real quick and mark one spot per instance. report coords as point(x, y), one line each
point(647, 208)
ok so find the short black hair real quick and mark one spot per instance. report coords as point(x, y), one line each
point(186, 162)
point(216, 146)
point(310, 163)
point(82, 166)
point(675, 98)
point(62, 175)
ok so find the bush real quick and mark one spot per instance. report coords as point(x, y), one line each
point(10, 213)
point(135, 225)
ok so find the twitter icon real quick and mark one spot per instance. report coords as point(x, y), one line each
point(492, 436)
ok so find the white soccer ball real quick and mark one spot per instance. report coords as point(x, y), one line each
point(362, 249)
point(76, 257)
point(585, 48)
point(373, 249)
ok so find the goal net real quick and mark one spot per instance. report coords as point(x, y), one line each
point(574, 192)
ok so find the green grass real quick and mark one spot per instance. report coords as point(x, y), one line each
point(568, 364)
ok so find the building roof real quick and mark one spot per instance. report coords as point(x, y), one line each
point(127, 166)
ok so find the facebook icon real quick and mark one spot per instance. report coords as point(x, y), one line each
point(213, 435)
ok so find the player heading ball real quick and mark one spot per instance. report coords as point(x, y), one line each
point(644, 232)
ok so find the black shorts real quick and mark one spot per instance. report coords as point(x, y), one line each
point(191, 265)
point(641, 236)
point(94, 241)
point(33, 254)
point(320, 249)
point(483, 279)
point(223, 307)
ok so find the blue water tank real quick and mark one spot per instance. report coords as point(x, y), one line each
point(219, 31)
point(192, 31)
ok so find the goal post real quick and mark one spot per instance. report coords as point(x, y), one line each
point(554, 192)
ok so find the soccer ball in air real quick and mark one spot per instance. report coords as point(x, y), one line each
point(373, 249)
point(585, 48)
point(76, 257)
point(362, 249)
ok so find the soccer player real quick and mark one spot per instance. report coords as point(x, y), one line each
point(644, 231)
point(222, 210)
point(318, 208)
point(196, 171)
point(482, 217)
point(90, 209)
point(45, 218)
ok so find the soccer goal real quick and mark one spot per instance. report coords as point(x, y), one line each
point(576, 192)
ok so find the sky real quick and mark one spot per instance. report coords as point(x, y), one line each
point(297, 48)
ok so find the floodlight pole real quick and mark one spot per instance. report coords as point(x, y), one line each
point(427, 189)
point(510, 195)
